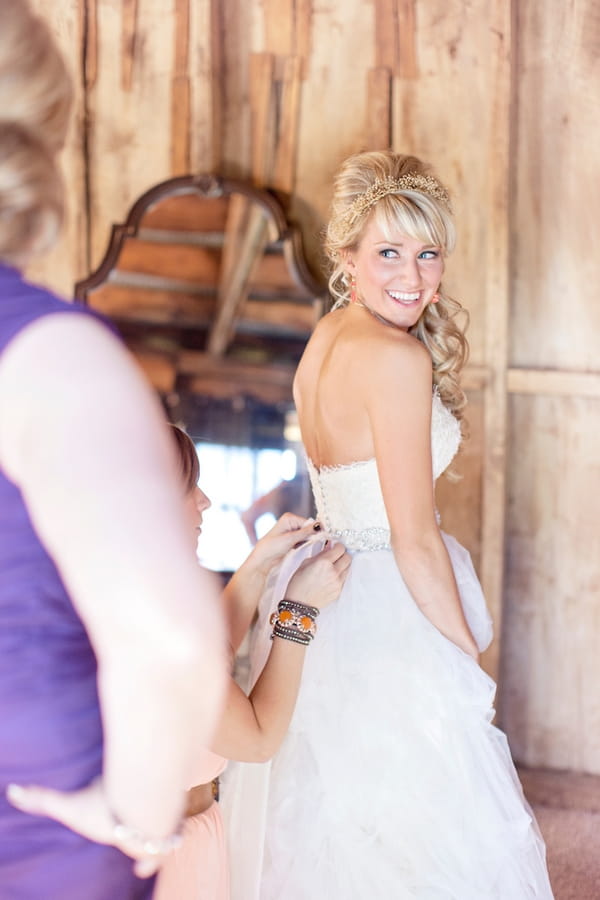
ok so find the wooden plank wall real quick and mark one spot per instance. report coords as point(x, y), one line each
point(551, 663)
point(500, 97)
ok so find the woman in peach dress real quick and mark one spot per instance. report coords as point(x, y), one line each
point(199, 868)
point(253, 727)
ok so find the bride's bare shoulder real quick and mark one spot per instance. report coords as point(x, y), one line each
point(329, 324)
point(324, 334)
point(401, 355)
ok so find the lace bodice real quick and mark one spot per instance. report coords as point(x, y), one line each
point(349, 500)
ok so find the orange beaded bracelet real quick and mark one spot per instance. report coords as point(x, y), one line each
point(294, 621)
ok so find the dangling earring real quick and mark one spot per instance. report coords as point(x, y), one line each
point(353, 290)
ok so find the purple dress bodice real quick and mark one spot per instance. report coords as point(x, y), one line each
point(50, 724)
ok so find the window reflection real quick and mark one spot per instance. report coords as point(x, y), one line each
point(249, 489)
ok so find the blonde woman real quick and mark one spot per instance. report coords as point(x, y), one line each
point(112, 656)
point(392, 782)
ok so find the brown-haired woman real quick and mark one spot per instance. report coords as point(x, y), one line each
point(251, 727)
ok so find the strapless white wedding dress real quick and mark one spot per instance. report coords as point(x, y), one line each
point(392, 782)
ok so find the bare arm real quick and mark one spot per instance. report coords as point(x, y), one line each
point(246, 586)
point(253, 727)
point(401, 427)
point(84, 439)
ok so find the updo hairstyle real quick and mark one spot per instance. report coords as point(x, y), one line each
point(400, 194)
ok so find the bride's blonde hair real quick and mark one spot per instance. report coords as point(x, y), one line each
point(400, 194)
point(35, 101)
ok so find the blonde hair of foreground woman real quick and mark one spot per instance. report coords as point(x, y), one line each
point(34, 114)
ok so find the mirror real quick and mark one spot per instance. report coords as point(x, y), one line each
point(207, 283)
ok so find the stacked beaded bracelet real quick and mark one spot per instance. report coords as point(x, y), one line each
point(294, 622)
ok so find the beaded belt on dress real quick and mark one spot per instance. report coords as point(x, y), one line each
point(365, 539)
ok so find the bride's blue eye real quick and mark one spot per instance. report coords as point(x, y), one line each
point(429, 254)
point(388, 253)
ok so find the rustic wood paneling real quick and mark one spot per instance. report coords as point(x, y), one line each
point(555, 313)
point(180, 92)
point(451, 106)
point(204, 79)
point(129, 129)
point(379, 107)
point(333, 113)
point(231, 49)
point(454, 114)
point(551, 707)
point(550, 661)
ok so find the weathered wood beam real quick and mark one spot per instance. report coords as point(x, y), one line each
point(287, 138)
point(553, 382)
point(158, 368)
point(406, 19)
point(158, 307)
point(396, 36)
point(218, 79)
point(183, 262)
point(279, 26)
point(223, 377)
point(129, 15)
point(379, 108)
point(228, 388)
point(262, 112)
point(89, 31)
point(180, 91)
point(386, 34)
point(196, 362)
point(474, 378)
point(245, 246)
point(303, 25)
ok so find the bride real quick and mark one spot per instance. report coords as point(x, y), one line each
point(392, 782)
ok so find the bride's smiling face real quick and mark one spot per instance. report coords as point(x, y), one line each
point(396, 275)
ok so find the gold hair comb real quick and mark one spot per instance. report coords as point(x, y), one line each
point(425, 184)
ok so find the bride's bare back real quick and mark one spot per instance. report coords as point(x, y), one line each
point(334, 385)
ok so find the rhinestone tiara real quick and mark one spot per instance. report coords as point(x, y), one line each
point(425, 184)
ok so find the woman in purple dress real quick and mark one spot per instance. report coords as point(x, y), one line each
point(111, 647)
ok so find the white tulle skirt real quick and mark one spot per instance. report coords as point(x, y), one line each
point(392, 782)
